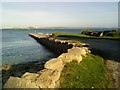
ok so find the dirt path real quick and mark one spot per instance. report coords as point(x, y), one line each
point(114, 72)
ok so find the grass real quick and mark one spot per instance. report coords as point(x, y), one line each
point(79, 36)
point(90, 72)
point(72, 41)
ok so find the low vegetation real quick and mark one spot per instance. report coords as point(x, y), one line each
point(79, 36)
point(89, 73)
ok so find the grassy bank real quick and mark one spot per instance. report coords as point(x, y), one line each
point(89, 73)
point(79, 36)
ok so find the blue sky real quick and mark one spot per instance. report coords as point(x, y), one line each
point(60, 14)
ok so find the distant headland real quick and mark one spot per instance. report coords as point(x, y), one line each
point(59, 28)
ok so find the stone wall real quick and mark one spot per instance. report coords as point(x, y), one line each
point(56, 45)
point(49, 76)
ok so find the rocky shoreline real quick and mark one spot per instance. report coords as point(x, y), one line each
point(47, 76)
point(17, 70)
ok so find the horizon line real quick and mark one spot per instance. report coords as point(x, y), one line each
point(31, 27)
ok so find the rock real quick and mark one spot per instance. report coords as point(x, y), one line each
point(48, 78)
point(78, 59)
point(86, 49)
point(7, 67)
point(54, 64)
point(16, 82)
point(77, 50)
point(68, 57)
point(30, 76)
point(57, 84)
point(62, 41)
point(51, 39)
point(73, 54)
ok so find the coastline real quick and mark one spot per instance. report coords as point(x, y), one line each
point(57, 45)
point(17, 70)
point(66, 28)
point(52, 68)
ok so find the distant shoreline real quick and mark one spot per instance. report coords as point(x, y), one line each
point(65, 28)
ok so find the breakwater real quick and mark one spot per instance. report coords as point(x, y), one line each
point(49, 76)
point(56, 45)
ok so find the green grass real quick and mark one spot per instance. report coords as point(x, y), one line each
point(72, 41)
point(79, 36)
point(90, 72)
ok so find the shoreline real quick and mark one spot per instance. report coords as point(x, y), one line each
point(18, 70)
point(49, 76)
point(29, 65)
point(66, 28)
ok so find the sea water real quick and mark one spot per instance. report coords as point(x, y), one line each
point(18, 47)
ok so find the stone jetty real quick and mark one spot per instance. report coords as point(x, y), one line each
point(49, 76)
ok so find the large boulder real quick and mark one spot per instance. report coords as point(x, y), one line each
point(77, 51)
point(48, 78)
point(54, 63)
point(30, 76)
point(16, 82)
point(68, 57)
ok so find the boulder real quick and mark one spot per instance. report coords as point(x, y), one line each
point(68, 57)
point(48, 78)
point(6, 67)
point(77, 51)
point(78, 59)
point(30, 76)
point(16, 82)
point(54, 63)
point(86, 49)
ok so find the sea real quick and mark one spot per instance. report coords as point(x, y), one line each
point(18, 47)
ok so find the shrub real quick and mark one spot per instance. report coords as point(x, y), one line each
point(113, 33)
point(86, 31)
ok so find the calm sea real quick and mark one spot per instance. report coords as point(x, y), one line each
point(18, 47)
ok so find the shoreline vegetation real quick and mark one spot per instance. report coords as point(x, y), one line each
point(80, 36)
point(90, 73)
point(85, 74)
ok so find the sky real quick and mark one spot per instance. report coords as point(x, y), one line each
point(59, 14)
